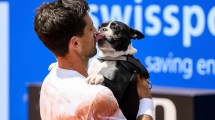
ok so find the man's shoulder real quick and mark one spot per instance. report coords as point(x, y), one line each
point(99, 89)
point(105, 106)
point(101, 93)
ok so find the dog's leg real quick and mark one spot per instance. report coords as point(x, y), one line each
point(95, 79)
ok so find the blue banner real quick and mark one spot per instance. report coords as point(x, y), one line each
point(180, 38)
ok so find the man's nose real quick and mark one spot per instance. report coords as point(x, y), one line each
point(96, 32)
point(94, 29)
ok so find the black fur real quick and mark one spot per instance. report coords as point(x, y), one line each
point(123, 88)
point(122, 81)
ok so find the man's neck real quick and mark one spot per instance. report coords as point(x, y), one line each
point(73, 63)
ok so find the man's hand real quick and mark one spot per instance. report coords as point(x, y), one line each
point(144, 117)
point(142, 87)
point(145, 111)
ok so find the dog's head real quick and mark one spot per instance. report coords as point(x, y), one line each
point(115, 39)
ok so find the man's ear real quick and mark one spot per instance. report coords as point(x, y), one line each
point(135, 34)
point(74, 42)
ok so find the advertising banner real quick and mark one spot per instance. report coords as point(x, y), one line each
point(179, 46)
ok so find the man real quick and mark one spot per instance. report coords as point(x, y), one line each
point(67, 30)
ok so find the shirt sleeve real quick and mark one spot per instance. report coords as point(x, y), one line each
point(105, 107)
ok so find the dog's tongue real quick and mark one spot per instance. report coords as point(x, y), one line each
point(99, 36)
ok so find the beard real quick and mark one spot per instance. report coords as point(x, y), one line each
point(89, 52)
point(92, 53)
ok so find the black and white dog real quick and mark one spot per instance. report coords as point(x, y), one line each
point(116, 67)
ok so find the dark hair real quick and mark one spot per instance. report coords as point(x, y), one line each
point(56, 22)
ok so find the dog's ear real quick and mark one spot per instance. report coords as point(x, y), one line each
point(135, 34)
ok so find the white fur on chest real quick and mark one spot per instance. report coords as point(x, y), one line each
point(96, 66)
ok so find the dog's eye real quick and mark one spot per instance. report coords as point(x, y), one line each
point(116, 27)
point(104, 29)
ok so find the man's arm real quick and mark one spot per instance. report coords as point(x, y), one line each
point(105, 106)
point(146, 104)
point(144, 117)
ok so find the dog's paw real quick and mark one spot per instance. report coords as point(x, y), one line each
point(95, 79)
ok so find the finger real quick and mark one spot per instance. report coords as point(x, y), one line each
point(97, 81)
point(92, 81)
point(87, 80)
point(149, 84)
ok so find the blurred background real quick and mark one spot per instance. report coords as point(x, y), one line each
point(178, 50)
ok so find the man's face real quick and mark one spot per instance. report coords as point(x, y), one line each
point(88, 38)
